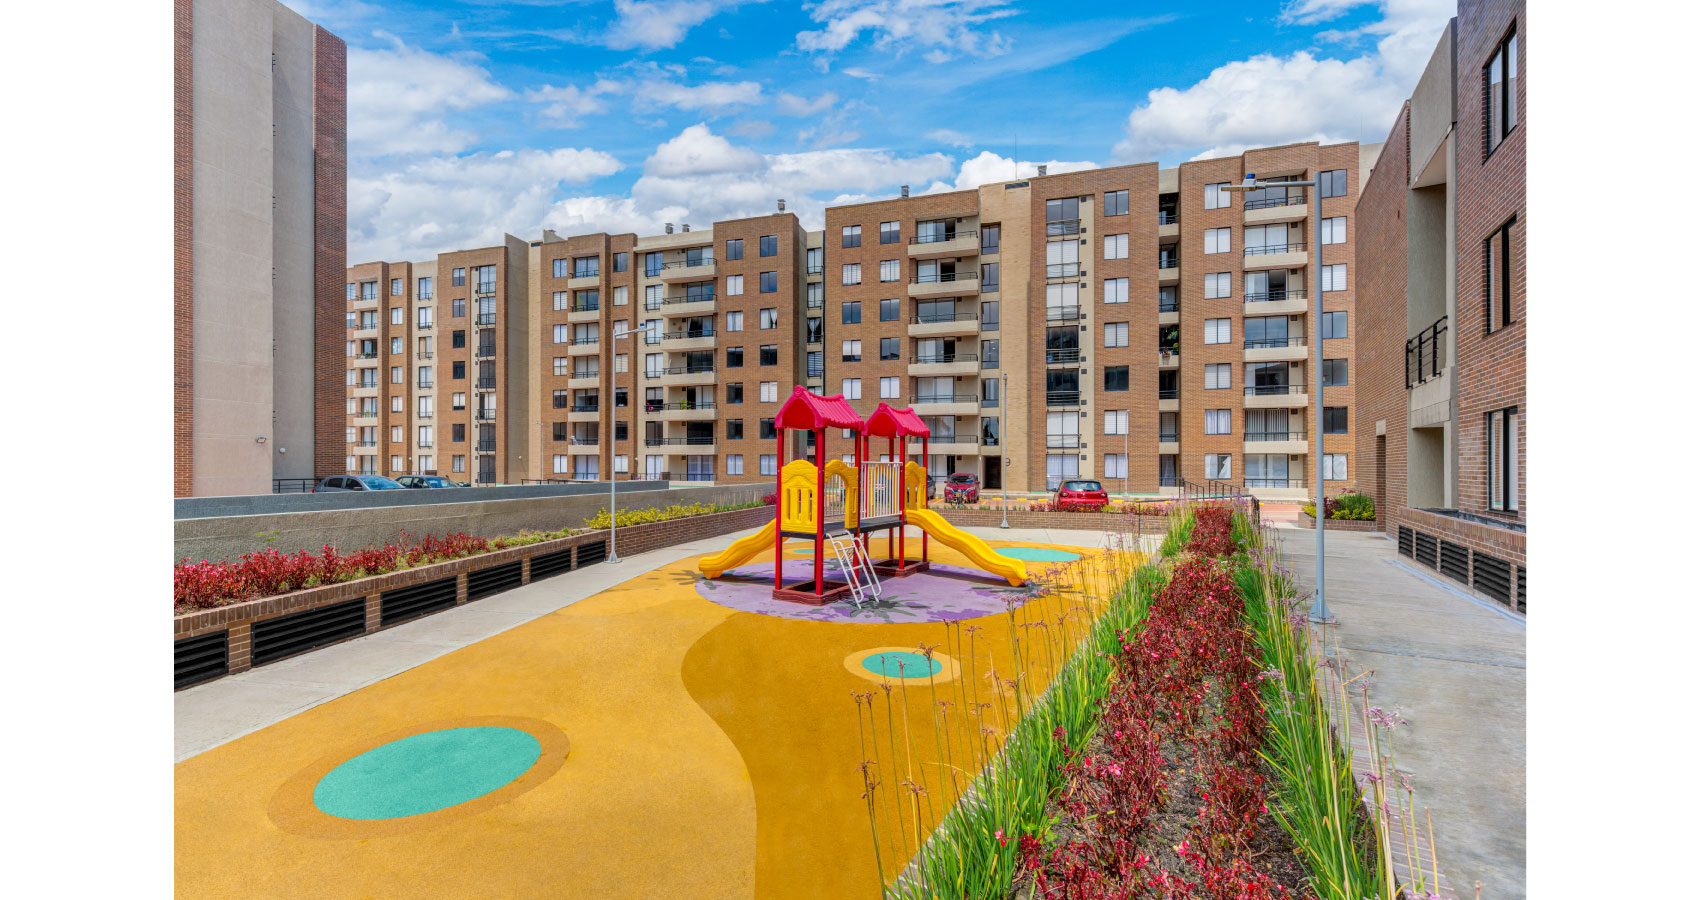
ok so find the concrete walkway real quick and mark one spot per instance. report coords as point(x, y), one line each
point(1454, 668)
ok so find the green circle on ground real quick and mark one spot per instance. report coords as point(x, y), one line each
point(426, 772)
point(1037, 554)
point(912, 665)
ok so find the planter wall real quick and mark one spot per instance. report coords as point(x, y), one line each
point(992, 518)
point(1364, 525)
point(1480, 557)
point(212, 643)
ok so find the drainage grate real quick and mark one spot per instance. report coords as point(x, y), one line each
point(1405, 541)
point(1424, 548)
point(548, 564)
point(1456, 562)
point(202, 658)
point(593, 553)
point(288, 635)
point(407, 603)
point(1492, 576)
point(493, 580)
point(1520, 588)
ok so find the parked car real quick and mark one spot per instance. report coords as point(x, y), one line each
point(337, 483)
point(1081, 495)
point(962, 487)
point(425, 481)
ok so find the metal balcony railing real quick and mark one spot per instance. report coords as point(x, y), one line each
point(678, 370)
point(1169, 305)
point(584, 273)
point(689, 263)
point(698, 441)
point(425, 383)
point(1292, 247)
point(485, 415)
point(1062, 398)
point(371, 443)
point(577, 441)
point(942, 398)
point(816, 302)
point(1257, 436)
point(584, 407)
point(485, 319)
point(942, 277)
point(663, 405)
point(585, 373)
point(586, 307)
point(1168, 437)
point(1166, 262)
point(1273, 390)
point(936, 238)
point(687, 335)
point(943, 358)
point(364, 355)
point(485, 351)
point(1062, 313)
point(705, 297)
point(486, 447)
point(945, 317)
point(1063, 270)
point(584, 342)
point(1166, 218)
point(1062, 227)
point(486, 384)
point(1266, 343)
point(1425, 353)
point(1273, 202)
point(1063, 442)
point(1274, 296)
point(1275, 482)
point(1062, 357)
point(1168, 394)
point(814, 270)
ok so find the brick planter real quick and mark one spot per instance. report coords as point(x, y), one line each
point(1085, 521)
point(211, 643)
point(1365, 525)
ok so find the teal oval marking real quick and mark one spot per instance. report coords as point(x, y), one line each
point(426, 772)
point(914, 665)
point(1037, 554)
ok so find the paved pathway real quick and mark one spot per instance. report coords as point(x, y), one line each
point(1454, 667)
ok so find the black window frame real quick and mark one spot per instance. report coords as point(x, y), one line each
point(1331, 316)
point(735, 248)
point(1495, 133)
point(735, 429)
point(734, 392)
point(768, 282)
point(768, 355)
point(895, 352)
point(1114, 374)
point(735, 357)
point(1116, 203)
point(850, 312)
point(1496, 319)
point(896, 233)
point(768, 245)
point(1329, 365)
point(894, 307)
point(1336, 420)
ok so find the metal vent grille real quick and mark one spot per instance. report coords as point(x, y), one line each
point(1425, 549)
point(1492, 576)
point(1520, 588)
point(591, 554)
point(203, 658)
point(1405, 541)
point(1456, 562)
point(548, 564)
point(288, 635)
point(493, 580)
point(407, 603)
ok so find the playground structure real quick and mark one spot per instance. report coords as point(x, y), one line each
point(840, 505)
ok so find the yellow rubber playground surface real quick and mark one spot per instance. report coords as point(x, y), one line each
point(668, 737)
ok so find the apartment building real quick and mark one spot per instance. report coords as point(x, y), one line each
point(1139, 325)
point(259, 238)
point(1442, 404)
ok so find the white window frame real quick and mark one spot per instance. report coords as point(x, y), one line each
point(1218, 331)
point(1219, 376)
point(1115, 290)
point(1219, 240)
point(1116, 422)
point(850, 273)
point(1116, 246)
point(1217, 195)
point(1218, 285)
point(1218, 421)
point(1116, 334)
point(735, 285)
point(1335, 230)
point(889, 270)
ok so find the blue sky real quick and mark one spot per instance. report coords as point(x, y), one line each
point(472, 118)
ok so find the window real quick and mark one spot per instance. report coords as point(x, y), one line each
point(458, 400)
point(425, 291)
point(458, 278)
point(735, 392)
point(851, 313)
point(890, 233)
point(1334, 278)
point(423, 316)
point(1334, 372)
point(425, 435)
point(586, 266)
point(620, 262)
point(888, 270)
point(1116, 465)
point(1116, 246)
point(1217, 331)
point(768, 245)
point(989, 278)
point(1217, 285)
point(1219, 465)
point(560, 301)
point(396, 345)
point(558, 432)
point(989, 315)
point(1335, 230)
point(620, 295)
point(988, 354)
point(1116, 421)
point(1217, 421)
point(735, 464)
point(1217, 195)
point(1497, 277)
point(653, 263)
point(369, 290)
point(1503, 459)
point(352, 288)
point(735, 357)
point(735, 321)
point(889, 388)
point(770, 282)
point(1500, 85)
point(1334, 325)
point(1116, 203)
point(1115, 290)
point(735, 429)
point(1219, 376)
point(988, 239)
point(458, 308)
point(735, 248)
point(563, 334)
point(620, 363)
point(458, 463)
point(1218, 240)
point(767, 464)
point(395, 287)
point(1116, 334)
point(1062, 216)
point(770, 392)
point(458, 433)
point(850, 236)
point(558, 268)
point(395, 374)
point(734, 285)
point(851, 273)
point(851, 388)
point(1334, 183)
point(889, 348)
point(1334, 467)
point(1334, 420)
point(852, 351)
point(768, 319)
point(1116, 378)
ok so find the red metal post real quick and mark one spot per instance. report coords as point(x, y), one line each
point(779, 501)
point(927, 479)
point(820, 502)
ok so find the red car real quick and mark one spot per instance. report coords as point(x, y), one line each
point(962, 487)
point(1081, 495)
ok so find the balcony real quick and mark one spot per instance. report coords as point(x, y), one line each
point(371, 355)
point(584, 412)
point(1064, 399)
point(1275, 256)
point(1064, 442)
point(688, 270)
point(485, 447)
point(1276, 350)
point(1063, 313)
point(945, 364)
point(1169, 270)
point(584, 346)
point(582, 446)
point(584, 312)
point(682, 446)
point(1289, 442)
point(945, 284)
point(1275, 303)
point(486, 384)
point(366, 416)
point(941, 246)
point(583, 281)
point(1169, 401)
point(959, 444)
point(945, 404)
point(365, 328)
point(1169, 442)
point(485, 351)
point(1068, 356)
point(585, 378)
point(681, 376)
point(1169, 359)
point(1063, 227)
point(1169, 313)
point(364, 389)
point(1168, 225)
point(1426, 354)
point(693, 339)
point(485, 319)
point(682, 411)
point(963, 323)
point(1274, 396)
point(1275, 209)
point(687, 305)
point(484, 415)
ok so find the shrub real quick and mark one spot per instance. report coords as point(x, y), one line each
point(1350, 506)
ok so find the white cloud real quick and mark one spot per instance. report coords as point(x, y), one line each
point(793, 105)
point(656, 24)
point(714, 96)
point(396, 98)
point(947, 136)
point(860, 72)
point(1269, 100)
point(565, 106)
point(989, 168)
point(944, 29)
point(752, 128)
point(1310, 12)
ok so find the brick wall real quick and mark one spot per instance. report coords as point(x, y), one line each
point(330, 248)
point(183, 247)
point(1381, 336)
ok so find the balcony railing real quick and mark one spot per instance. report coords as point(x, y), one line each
point(1425, 353)
point(577, 441)
point(1062, 227)
point(945, 317)
point(1257, 436)
point(366, 384)
point(942, 398)
point(1062, 357)
point(586, 307)
point(1062, 442)
point(929, 359)
point(486, 384)
point(1169, 305)
point(814, 270)
point(1273, 390)
point(423, 326)
point(1062, 398)
point(1168, 394)
point(689, 263)
point(1265, 343)
point(584, 407)
point(485, 319)
point(1062, 313)
point(371, 443)
point(484, 351)
point(1274, 296)
point(486, 447)
point(942, 277)
point(816, 302)
point(698, 441)
point(687, 335)
point(1166, 218)
point(660, 405)
point(424, 383)
point(1294, 247)
point(707, 297)
point(1273, 202)
point(371, 355)
point(485, 415)
point(586, 373)
point(584, 273)
point(1168, 437)
point(1063, 270)
point(584, 342)
point(1166, 262)
point(678, 370)
point(936, 238)
point(1275, 482)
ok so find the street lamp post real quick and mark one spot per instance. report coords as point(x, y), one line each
point(1319, 607)
point(1004, 448)
point(613, 557)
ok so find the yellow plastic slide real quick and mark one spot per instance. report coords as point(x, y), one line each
point(974, 548)
point(741, 550)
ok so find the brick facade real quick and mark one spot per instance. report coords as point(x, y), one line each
point(330, 246)
point(1381, 335)
point(183, 248)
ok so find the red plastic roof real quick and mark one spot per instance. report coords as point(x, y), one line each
point(888, 422)
point(805, 411)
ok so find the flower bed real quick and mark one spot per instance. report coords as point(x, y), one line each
point(1351, 506)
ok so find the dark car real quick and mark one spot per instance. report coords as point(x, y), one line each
point(425, 481)
point(337, 483)
point(962, 487)
point(1081, 494)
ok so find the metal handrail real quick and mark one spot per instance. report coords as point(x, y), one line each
point(585, 273)
point(684, 298)
point(1271, 390)
point(1171, 394)
point(1169, 306)
point(936, 239)
point(942, 398)
point(372, 355)
point(1273, 296)
point(1275, 342)
point(1062, 313)
point(1275, 482)
point(426, 384)
point(944, 358)
point(582, 342)
point(679, 441)
point(484, 351)
point(678, 370)
point(1294, 247)
point(814, 270)
point(1062, 441)
point(582, 442)
point(485, 415)
point(586, 307)
point(583, 407)
point(944, 317)
point(1273, 202)
point(942, 277)
point(688, 264)
point(486, 384)
point(1256, 436)
point(1062, 356)
point(1435, 337)
point(1062, 398)
point(1064, 270)
point(1057, 227)
point(686, 335)
point(1168, 437)
point(664, 405)
point(485, 447)
point(1166, 218)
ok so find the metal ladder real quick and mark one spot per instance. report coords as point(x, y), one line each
point(858, 570)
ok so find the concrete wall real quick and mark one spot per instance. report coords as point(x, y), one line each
point(213, 537)
point(290, 442)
